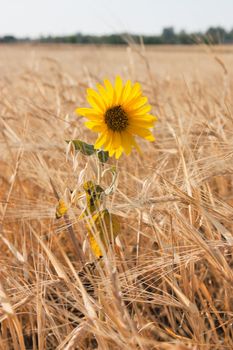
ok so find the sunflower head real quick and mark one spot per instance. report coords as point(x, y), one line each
point(118, 113)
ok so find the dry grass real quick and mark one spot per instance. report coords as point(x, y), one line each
point(168, 285)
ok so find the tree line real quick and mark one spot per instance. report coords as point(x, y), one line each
point(214, 35)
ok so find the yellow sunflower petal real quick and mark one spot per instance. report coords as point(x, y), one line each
point(95, 104)
point(142, 110)
point(135, 144)
point(89, 113)
point(126, 140)
point(109, 89)
point(118, 152)
point(91, 93)
point(146, 117)
point(118, 90)
point(144, 133)
point(111, 152)
point(126, 92)
point(101, 140)
point(137, 104)
point(134, 94)
point(116, 141)
point(141, 123)
point(97, 127)
point(104, 93)
point(108, 143)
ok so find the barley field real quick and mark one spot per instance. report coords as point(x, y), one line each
point(166, 281)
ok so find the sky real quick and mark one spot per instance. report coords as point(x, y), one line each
point(34, 18)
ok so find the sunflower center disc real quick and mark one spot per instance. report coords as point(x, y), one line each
point(116, 119)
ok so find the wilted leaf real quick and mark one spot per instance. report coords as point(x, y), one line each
point(101, 226)
point(61, 209)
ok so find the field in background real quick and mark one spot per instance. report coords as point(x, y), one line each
point(169, 283)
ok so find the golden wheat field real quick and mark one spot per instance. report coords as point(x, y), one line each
point(166, 281)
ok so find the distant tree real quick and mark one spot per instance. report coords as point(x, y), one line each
point(184, 38)
point(8, 39)
point(216, 35)
point(168, 35)
point(152, 40)
point(229, 37)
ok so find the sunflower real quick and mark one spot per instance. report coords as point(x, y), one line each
point(117, 114)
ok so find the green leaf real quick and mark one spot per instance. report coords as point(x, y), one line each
point(89, 150)
point(83, 147)
point(103, 156)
